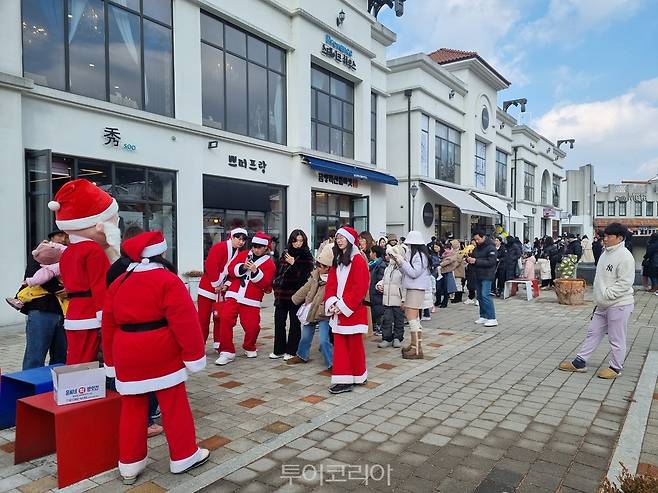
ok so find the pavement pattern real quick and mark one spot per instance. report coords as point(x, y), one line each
point(486, 411)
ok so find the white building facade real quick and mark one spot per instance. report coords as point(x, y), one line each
point(581, 191)
point(197, 115)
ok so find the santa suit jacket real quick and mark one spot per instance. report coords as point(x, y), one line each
point(215, 268)
point(249, 288)
point(83, 266)
point(347, 287)
point(156, 359)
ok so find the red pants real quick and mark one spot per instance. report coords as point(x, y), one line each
point(216, 317)
point(178, 425)
point(349, 359)
point(204, 308)
point(82, 346)
point(249, 319)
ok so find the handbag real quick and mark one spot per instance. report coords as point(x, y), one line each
point(303, 312)
point(279, 278)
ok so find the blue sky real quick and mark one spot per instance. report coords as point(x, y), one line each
point(589, 69)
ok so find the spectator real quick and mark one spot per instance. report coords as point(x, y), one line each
point(551, 253)
point(588, 254)
point(382, 241)
point(393, 318)
point(295, 266)
point(376, 266)
point(650, 263)
point(459, 272)
point(392, 239)
point(527, 247)
point(613, 296)
point(501, 269)
point(483, 259)
point(597, 247)
point(469, 272)
point(450, 261)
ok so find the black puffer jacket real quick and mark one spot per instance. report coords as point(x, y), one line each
point(514, 252)
point(294, 276)
point(485, 261)
point(376, 275)
point(575, 248)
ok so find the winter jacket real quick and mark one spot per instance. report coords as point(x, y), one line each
point(597, 250)
point(46, 303)
point(376, 274)
point(451, 262)
point(485, 261)
point(652, 255)
point(575, 248)
point(415, 272)
point(460, 270)
point(544, 268)
point(312, 293)
point(529, 268)
point(293, 276)
point(391, 283)
point(588, 254)
point(615, 275)
point(511, 261)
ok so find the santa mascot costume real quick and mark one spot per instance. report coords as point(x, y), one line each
point(211, 287)
point(347, 285)
point(250, 276)
point(90, 217)
point(151, 341)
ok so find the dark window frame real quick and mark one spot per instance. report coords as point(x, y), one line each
point(637, 203)
point(556, 190)
point(439, 222)
point(314, 119)
point(600, 208)
point(575, 206)
point(529, 182)
point(142, 17)
point(649, 208)
point(440, 172)
point(624, 209)
point(501, 172)
point(612, 205)
point(373, 127)
point(245, 58)
point(480, 160)
point(313, 242)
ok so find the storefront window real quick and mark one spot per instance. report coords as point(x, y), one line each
point(330, 211)
point(447, 221)
point(146, 197)
point(332, 113)
point(447, 153)
point(229, 204)
point(243, 82)
point(113, 50)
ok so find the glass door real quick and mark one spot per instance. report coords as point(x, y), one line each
point(39, 193)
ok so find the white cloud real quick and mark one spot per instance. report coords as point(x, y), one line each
point(566, 21)
point(568, 79)
point(619, 135)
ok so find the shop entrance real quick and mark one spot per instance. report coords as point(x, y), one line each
point(330, 211)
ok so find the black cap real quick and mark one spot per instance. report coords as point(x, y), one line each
point(54, 233)
point(570, 235)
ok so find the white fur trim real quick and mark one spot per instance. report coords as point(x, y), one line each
point(196, 365)
point(258, 276)
point(259, 241)
point(349, 379)
point(328, 304)
point(349, 329)
point(151, 384)
point(84, 324)
point(217, 283)
point(88, 222)
point(153, 250)
point(54, 205)
point(177, 466)
point(207, 294)
point(344, 232)
point(344, 308)
point(237, 231)
point(99, 315)
point(215, 345)
point(236, 270)
point(73, 238)
point(140, 267)
point(132, 469)
point(242, 300)
point(109, 371)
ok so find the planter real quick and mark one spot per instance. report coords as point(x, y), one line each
point(193, 286)
point(570, 291)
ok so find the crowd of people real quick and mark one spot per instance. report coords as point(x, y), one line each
point(85, 281)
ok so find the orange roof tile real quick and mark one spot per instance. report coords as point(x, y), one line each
point(443, 56)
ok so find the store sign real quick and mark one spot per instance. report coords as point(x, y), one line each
point(339, 52)
point(635, 197)
point(338, 180)
point(112, 137)
point(548, 212)
point(428, 214)
point(235, 162)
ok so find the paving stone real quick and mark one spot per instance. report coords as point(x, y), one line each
point(242, 475)
point(434, 439)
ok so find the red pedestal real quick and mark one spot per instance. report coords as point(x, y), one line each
point(84, 435)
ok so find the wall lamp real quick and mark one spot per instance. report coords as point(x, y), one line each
point(340, 19)
point(213, 144)
point(532, 146)
point(452, 94)
point(571, 142)
point(515, 102)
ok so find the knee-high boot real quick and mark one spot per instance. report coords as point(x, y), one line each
point(415, 350)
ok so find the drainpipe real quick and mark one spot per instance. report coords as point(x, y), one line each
point(407, 94)
point(516, 149)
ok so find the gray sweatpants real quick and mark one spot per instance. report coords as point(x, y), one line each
point(392, 323)
point(612, 321)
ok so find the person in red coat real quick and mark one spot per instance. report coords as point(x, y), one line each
point(210, 295)
point(347, 286)
point(90, 216)
point(151, 342)
point(250, 276)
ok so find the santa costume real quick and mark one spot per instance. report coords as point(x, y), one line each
point(346, 289)
point(244, 295)
point(80, 205)
point(214, 275)
point(151, 341)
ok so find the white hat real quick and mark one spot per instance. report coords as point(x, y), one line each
point(414, 238)
point(326, 255)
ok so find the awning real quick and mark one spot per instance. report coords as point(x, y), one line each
point(462, 200)
point(500, 206)
point(350, 171)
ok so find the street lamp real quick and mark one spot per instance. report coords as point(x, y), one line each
point(571, 142)
point(509, 217)
point(413, 190)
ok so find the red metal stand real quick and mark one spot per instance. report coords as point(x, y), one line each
point(84, 435)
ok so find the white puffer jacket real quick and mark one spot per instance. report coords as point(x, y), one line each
point(391, 284)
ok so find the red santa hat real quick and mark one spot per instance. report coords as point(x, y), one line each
point(238, 231)
point(80, 204)
point(261, 238)
point(144, 245)
point(349, 233)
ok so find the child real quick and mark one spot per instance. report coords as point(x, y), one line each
point(393, 318)
point(311, 312)
point(528, 266)
point(47, 253)
point(544, 265)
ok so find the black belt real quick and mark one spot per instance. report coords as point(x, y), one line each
point(145, 326)
point(79, 294)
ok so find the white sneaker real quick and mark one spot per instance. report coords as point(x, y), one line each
point(275, 356)
point(480, 320)
point(251, 354)
point(476, 303)
point(225, 358)
point(491, 323)
point(426, 318)
point(469, 302)
point(287, 356)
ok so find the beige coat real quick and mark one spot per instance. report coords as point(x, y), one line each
point(391, 283)
point(312, 293)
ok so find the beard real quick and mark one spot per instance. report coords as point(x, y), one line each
point(113, 240)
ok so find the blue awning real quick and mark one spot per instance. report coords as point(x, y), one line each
point(349, 171)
